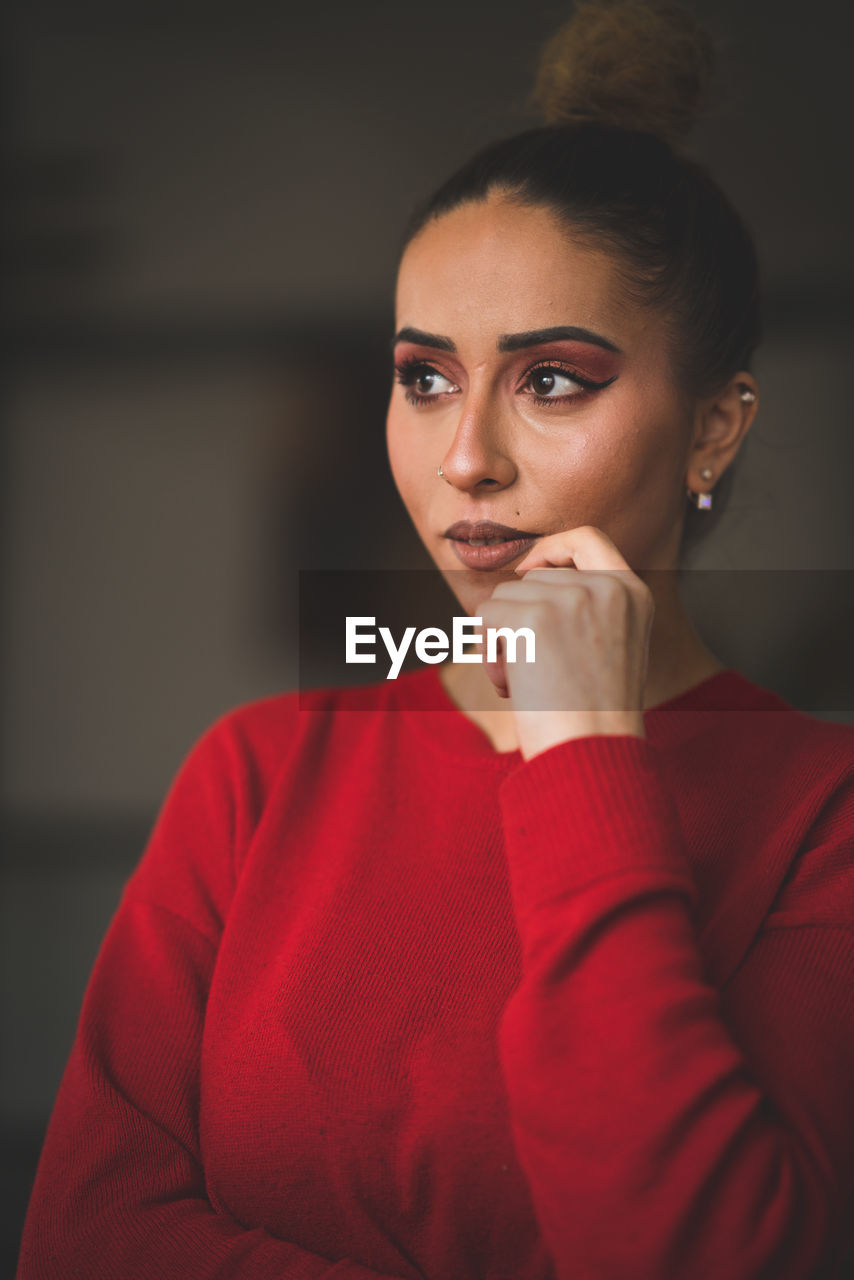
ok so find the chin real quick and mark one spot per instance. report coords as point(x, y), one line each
point(470, 587)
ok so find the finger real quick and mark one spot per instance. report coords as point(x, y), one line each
point(497, 614)
point(497, 672)
point(538, 584)
point(586, 547)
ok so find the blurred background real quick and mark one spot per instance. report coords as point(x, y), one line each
point(203, 208)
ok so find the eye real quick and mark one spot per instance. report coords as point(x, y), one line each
point(551, 382)
point(422, 381)
point(555, 383)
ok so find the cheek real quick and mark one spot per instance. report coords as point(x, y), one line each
point(638, 447)
point(643, 499)
point(589, 468)
point(621, 470)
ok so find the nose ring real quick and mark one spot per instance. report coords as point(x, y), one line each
point(440, 473)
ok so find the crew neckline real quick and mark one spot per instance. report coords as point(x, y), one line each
point(443, 724)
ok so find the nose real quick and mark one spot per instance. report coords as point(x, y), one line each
point(478, 457)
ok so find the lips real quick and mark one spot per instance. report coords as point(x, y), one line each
point(484, 544)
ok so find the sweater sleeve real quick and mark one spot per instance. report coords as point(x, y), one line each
point(670, 1130)
point(120, 1188)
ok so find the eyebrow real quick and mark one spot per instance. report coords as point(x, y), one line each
point(511, 341)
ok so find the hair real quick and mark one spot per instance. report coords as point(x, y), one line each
point(620, 87)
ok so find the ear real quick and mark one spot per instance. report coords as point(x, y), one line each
point(721, 422)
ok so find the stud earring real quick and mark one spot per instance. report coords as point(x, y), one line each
point(702, 501)
point(747, 395)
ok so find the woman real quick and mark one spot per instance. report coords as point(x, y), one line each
point(507, 971)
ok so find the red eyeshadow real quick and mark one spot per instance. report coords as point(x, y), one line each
point(594, 362)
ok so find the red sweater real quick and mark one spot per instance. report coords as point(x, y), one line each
point(380, 1001)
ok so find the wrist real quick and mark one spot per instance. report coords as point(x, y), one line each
point(538, 730)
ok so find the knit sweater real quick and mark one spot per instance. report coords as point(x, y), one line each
point(380, 1001)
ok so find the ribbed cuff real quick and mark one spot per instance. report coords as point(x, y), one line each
point(587, 808)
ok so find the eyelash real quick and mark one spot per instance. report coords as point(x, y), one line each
point(407, 370)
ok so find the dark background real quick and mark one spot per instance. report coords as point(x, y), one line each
point(203, 207)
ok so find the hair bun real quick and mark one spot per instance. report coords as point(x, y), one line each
point(638, 64)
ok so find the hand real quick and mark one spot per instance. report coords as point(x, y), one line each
point(592, 625)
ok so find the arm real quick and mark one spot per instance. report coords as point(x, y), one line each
point(120, 1189)
point(668, 1131)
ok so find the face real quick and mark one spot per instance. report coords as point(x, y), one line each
point(547, 398)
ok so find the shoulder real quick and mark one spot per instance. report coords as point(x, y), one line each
point(820, 882)
point(249, 761)
point(258, 738)
point(774, 740)
point(808, 763)
point(241, 748)
point(770, 787)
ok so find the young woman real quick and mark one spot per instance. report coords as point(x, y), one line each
point(509, 971)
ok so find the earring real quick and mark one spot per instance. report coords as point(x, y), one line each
point(747, 395)
point(702, 501)
point(440, 473)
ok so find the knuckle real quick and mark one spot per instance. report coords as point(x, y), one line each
point(542, 615)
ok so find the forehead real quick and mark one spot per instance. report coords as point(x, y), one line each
point(500, 267)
